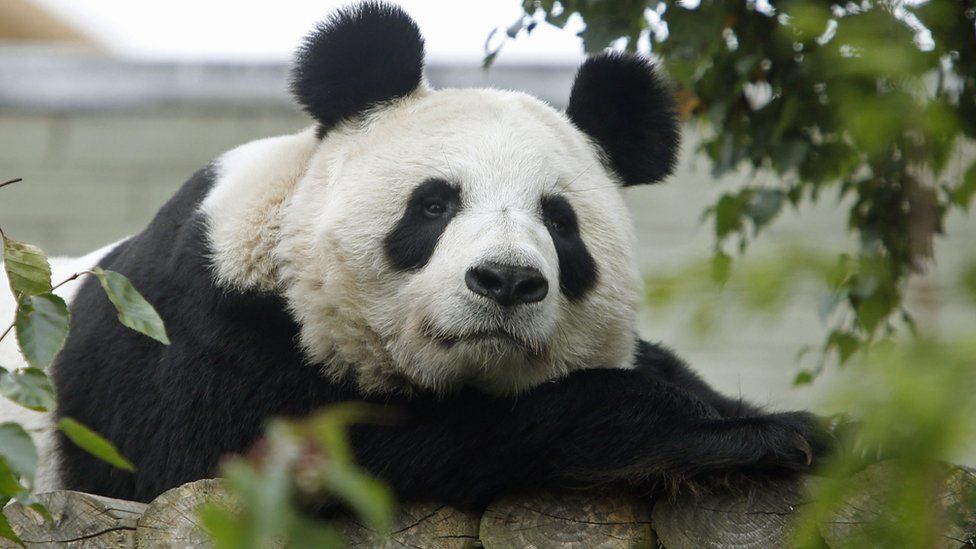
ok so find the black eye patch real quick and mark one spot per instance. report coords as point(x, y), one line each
point(577, 269)
point(429, 210)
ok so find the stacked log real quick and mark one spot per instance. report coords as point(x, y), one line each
point(765, 517)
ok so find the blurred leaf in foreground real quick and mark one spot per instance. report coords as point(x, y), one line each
point(17, 450)
point(6, 531)
point(297, 468)
point(914, 402)
point(94, 444)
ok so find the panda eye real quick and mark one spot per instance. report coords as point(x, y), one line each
point(560, 226)
point(434, 209)
point(559, 217)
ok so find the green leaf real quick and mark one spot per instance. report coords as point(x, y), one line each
point(845, 343)
point(875, 308)
point(9, 483)
point(312, 534)
point(803, 377)
point(969, 281)
point(17, 449)
point(963, 195)
point(7, 532)
point(367, 496)
point(30, 388)
point(223, 526)
point(27, 268)
point(42, 326)
point(134, 311)
point(763, 206)
point(728, 215)
point(489, 59)
point(721, 267)
point(94, 444)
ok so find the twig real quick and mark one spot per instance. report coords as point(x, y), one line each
point(70, 278)
point(7, 331)
point(55, 287)
point(11, 182)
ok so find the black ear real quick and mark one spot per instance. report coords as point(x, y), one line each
point(620, 102)
point(361, 56)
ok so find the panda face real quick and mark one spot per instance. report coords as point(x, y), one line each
point(472, 237)
point(437, 239)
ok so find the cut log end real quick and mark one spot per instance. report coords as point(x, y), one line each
point(763, 517)
point(426, 525)
point(80, 520)
point(571, 519)
point(171, 519)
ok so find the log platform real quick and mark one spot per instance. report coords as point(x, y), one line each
point(763, 518)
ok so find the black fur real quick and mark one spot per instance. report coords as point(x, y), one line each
point(233, 364)
point(577, 269)
point(360, 57)
point(412, 241)
point(620, 102)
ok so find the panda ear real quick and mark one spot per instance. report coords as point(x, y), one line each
point(361, 56)
point(628, 110)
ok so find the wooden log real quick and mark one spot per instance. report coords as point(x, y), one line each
point(80, 521)
point(855, 524)
point(431, 526)
point(567, 520)
point(171, 519)
point(763, 517)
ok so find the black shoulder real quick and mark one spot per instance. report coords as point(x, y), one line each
point(174, 410)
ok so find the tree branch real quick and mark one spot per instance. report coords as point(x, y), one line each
point(11, 182)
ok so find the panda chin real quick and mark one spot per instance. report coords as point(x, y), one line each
point(498, 338)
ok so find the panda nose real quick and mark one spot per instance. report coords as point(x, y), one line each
point(507, 285)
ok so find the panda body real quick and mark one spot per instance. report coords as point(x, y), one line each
point(464, 256)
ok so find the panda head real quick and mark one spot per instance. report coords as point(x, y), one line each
point(444, 238)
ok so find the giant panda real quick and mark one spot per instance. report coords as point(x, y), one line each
point(464, 256)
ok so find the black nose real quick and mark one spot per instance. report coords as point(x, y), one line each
point(507, 284)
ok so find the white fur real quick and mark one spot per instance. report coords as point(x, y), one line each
point(309, 218)
point(243, 209)
point(38, 424)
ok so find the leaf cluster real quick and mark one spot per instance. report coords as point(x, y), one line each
point(871, 100)
point(41, 325)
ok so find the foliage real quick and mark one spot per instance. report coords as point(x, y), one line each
point(871, 99)
point(875, 102)
point(299, 467)
point(41, 326)
point(915, 404)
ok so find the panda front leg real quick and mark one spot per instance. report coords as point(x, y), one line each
point(659, 362)
point(611, 427)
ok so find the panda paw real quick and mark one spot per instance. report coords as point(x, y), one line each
point(797, 441)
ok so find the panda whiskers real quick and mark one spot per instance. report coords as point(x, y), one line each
point(565, 187)
point(590, 189)
point(447, 176)
point(450, 167)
